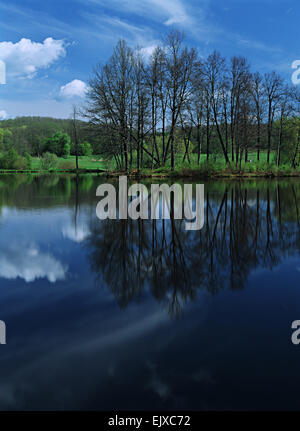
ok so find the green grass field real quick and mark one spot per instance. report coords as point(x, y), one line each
point(95, 162)
point(84, 162)
point(216, 167)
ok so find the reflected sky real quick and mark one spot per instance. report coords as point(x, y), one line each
point(111, 315)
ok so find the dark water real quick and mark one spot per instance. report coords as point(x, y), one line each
point(144, 314)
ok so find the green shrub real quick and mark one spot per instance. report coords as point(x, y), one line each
point(58, 144)
point(265, 167)
point(250, 167)
point(49, 161)
point(66, 165)
point(285, 169)
point(66, 150)
point(9, 159)
point(86, 149)
point(208, 167)
point(28, 159)
point(20, 164)
point(148, 163)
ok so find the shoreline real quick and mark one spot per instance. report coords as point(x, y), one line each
point(191, 174)
point(204, 176)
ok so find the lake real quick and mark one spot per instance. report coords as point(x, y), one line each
point(143, 314)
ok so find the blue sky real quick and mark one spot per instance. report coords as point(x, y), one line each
point(50, 48)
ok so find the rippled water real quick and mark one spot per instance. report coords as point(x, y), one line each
point(144, 314)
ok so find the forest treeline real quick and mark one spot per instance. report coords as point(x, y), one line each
point(174, 108)
point(49, 138)
point(177, 104)
point(36, 135)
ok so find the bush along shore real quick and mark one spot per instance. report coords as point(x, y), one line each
point(208, 172)
point(204, 170)
point(215, 167)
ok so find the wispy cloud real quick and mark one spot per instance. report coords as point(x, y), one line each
point(195, 18)
point(171, 11)
point(33, 19)
point(257, 45)
point(190, 17)
point(111, 29)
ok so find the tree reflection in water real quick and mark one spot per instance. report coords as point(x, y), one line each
point(247, 226)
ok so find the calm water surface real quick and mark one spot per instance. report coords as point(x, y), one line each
point(144, 314)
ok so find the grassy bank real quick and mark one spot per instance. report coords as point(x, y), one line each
point(87, 164)
point(214, 168)
point(69, 163)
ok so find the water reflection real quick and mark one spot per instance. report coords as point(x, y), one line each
point(26, 261)
point(247, 226)
point(64, 275)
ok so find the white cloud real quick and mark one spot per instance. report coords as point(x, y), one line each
point(26, 57)
point(3, 114)
point(74, 88)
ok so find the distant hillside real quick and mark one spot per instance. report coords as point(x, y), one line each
point(46, 123)
point(28, 134)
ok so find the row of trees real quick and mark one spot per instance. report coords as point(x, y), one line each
point(150, 112)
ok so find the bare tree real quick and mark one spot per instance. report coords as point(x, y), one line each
point(285, 108)
point(110, 95)
point(239, 78)
point(273, 88)
point(173, 103)
point(179, 66)
point(75, 133)
point(214, 71)
point(258, 95)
